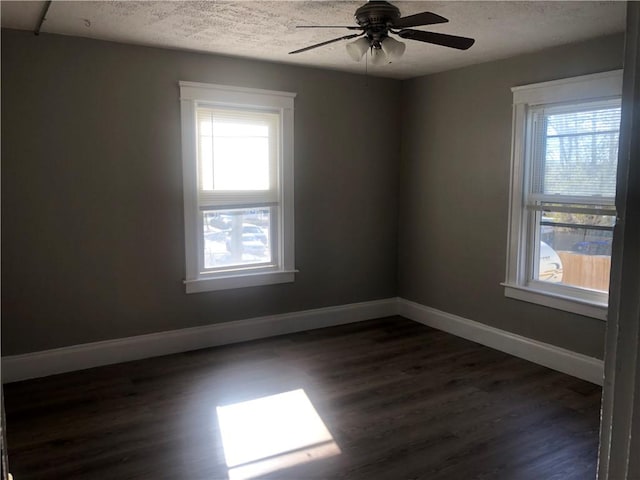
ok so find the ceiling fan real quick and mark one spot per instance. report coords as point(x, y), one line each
point(377, 20)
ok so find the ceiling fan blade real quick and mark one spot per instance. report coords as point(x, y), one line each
point(351, 27)
point(346, 37)
point(419, 19)
point(453, 41)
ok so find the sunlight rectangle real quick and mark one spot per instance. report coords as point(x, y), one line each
point(271, 433)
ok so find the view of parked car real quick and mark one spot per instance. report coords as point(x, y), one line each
point(229, 242)
point(251, 244)
point(256, 231)
point(593, 247)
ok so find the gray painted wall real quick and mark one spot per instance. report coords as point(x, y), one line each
point(92, 221)
point(92, 209)
point(454, 194)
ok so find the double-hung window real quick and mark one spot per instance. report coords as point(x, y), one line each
point(237, 148)
point(563, 184)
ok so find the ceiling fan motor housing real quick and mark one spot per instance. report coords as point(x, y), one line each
point(375, 17)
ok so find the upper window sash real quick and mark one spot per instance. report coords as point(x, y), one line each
point(196, 95)
point(268, 126)
point(539, 150)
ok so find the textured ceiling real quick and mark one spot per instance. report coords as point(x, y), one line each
point(266, 29)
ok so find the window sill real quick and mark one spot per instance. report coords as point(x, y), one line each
point(559, 302)
point(239, 280)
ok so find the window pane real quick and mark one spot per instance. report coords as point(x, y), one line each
point(578, 153)
point(240, 163)
point(236, 237)
point(575, 249)
point(235, 151)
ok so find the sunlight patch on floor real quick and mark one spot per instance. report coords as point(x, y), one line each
point(271, 433)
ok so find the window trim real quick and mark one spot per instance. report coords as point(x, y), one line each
point(586, 88)
point(191, 94)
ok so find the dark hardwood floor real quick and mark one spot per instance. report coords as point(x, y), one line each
point(399, 401)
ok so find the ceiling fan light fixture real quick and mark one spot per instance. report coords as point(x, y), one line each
point(378, 57)
point(393, 48)
point(358, 48)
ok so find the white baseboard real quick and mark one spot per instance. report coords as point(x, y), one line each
point(551, 356)
point(79, 357)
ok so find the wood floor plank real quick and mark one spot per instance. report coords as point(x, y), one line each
point(400, 400)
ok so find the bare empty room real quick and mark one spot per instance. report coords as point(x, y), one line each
point(320, 240)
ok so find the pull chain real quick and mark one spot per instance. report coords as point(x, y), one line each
point(366, 69)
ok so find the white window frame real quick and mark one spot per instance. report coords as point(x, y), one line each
point(588, 88)
point(282, 269)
